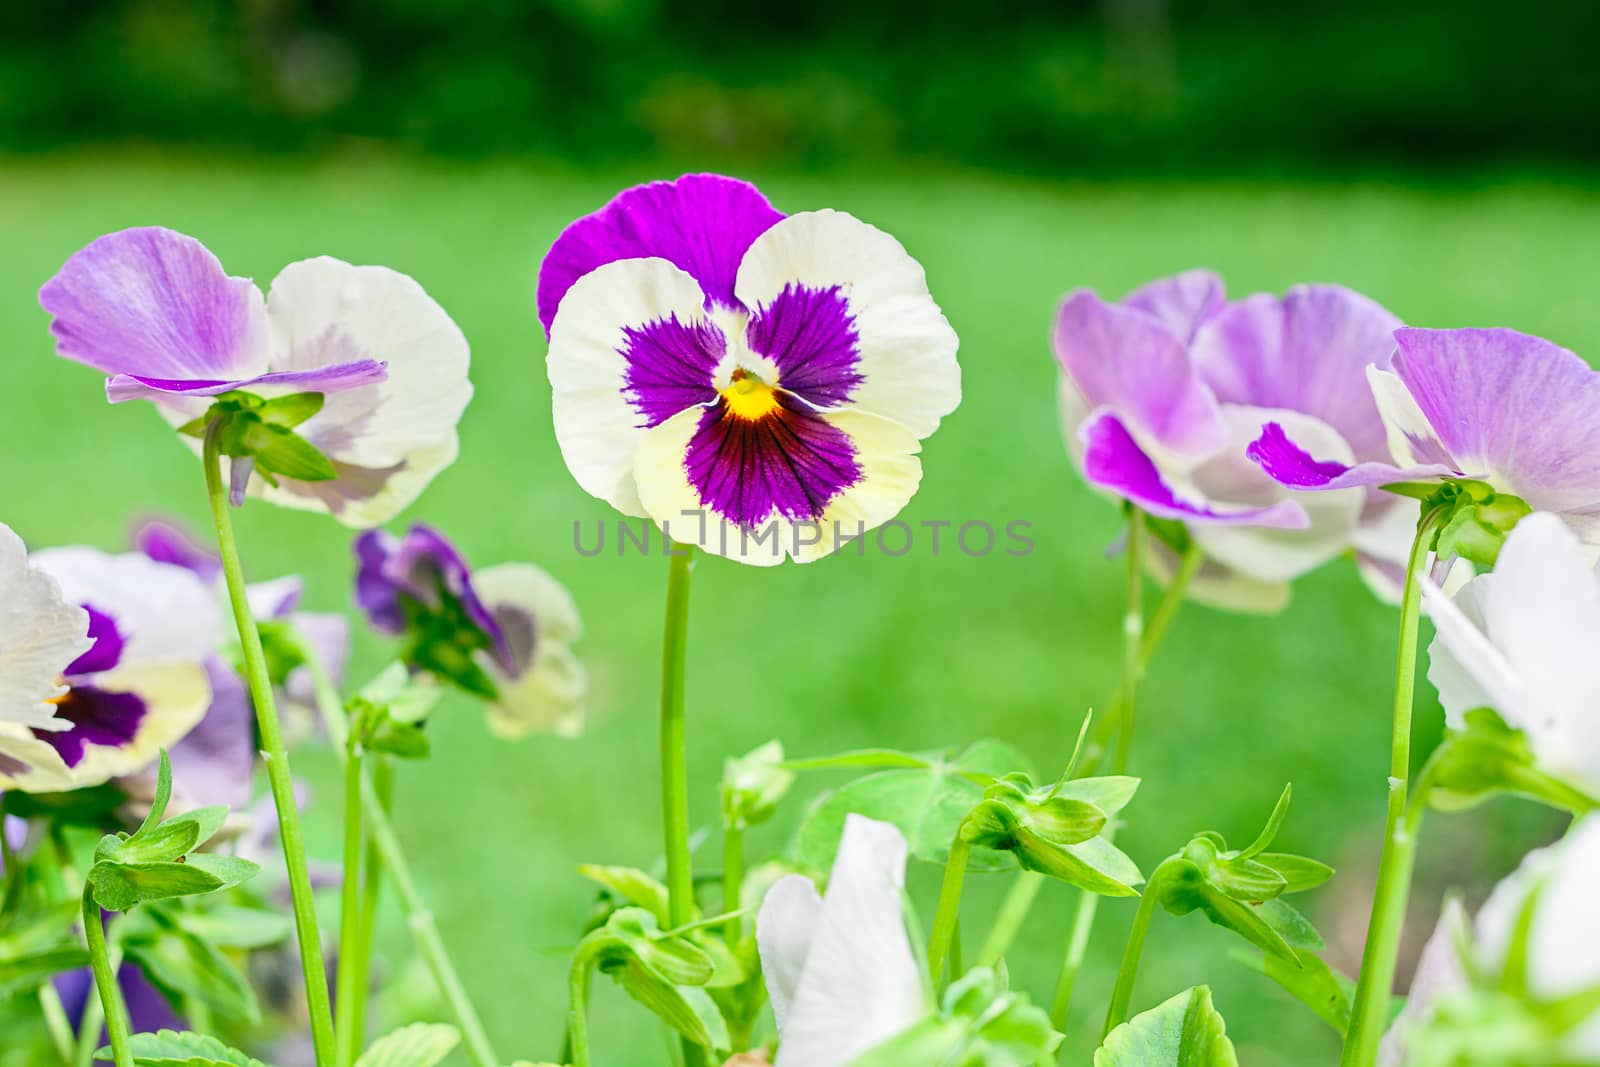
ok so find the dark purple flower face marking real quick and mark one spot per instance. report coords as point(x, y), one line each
point(811, 336)
point(702, 223)
point(788, 460)
point(670, 366)
point(98, 717)
point(106, 652)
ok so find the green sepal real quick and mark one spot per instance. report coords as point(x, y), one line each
point(170, 1048)
point(980, 1023)
point(120, 886)
point(291, 410)
point(1299, 873)
point(1269, 832)
point(1182, 888)
point(249, 427)
point(753, 785)
point(417, 1045)
point(631, 886)
point(1490, 757)
point(661, 970)
point(1471, 520)
point(1186, 1031)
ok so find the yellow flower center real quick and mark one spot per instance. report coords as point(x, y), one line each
point(749, 398)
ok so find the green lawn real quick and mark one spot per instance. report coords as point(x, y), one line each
point(913, 652)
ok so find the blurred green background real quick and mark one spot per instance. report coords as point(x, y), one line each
point(1441, 166)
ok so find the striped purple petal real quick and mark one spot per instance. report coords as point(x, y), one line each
point(1183, 302)
point(811, 336)
point(670, 367)
point(335, 378)
point(1114, 461)
point(106, 652)
point(701, 223)
point(1289, 464)
point(156, 303)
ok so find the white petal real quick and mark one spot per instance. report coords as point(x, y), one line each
point(1264, 553)
point(785, 929)
point(1217, 586)
point(861, 984)
point(1463, 664)
point(41, 633)
point(886, 453)
point(1412, 440)
point(549, 694)
point(164, 612)
point(906, 349)
point(324, 310)
point(598, 429)
point(1562, 958)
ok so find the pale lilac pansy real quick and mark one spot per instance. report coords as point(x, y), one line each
point(504, 633)
point(757, 384)
point(1561, 884)
point(41, 634)
point(1515, 411)
point(1525, 641)
point(839, 967)
point(155, 310)
point(139, 687)
point(1162, 392)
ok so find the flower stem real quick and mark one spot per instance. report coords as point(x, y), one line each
point(1077, 946)
point(949, 913)
point(277, 760)
point(732, 882)
point(382, 772)
point(1132, 634)
point(56, 1022)
point(578, 1009)
point(118, 1028)
point(1013, 911)
point(1128, 971)
point(386, 844)
point(1370, 1009)
point(352, 983)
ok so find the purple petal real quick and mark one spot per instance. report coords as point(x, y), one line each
point(153, 302)
point(215, 762)
point(98, 717)
point(701, 223)
point(335, 378)
point(811, 336)
point(106, 652)
point(1519, 406)
point(1289, 464)
point(670, 367)
point(1183, 302)
point(1129, 362)
point(167, 542)
point(1307, 352)
point(420, 566)
point(377, 596)
point(791, 462)
point(1114, 461)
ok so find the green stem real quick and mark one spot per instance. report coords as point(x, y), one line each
point(118, 1028)
point(674, 755)
point(945, 919)
point(732, 882)
point(352, 983)
point(1077, 947)
point(1128, 971)
point(57, 1023)
point(277, 760)
point(1013, 911)
point(94, 1019)
point(1132, 634)
point(578, 1007)
point(383, 784)
point(386, 844)
point(1370, 1010)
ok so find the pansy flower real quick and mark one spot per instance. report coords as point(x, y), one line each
point(1498, 406)
point(41, 634)
point(155, 310)
point(757, 384)
point(139, 687)
point(1541, 920)
point(504, 633)
point(839, 967)
point(1162, 393)
point(1525, 641)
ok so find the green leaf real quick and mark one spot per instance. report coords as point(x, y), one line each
point(209, 820)
point(979, 1024)
point(1110, 794)
point(169, 1048)
point(687, 1009)
point(283, 452)
point(631, 886)
point(878, 758)
point(1269, 833)
point(187, 969)
point(1313, 984)
point(1096, 865)
point(1183, 888)
point(159, 844)
point(228, 926)
point(27, 973)
point(926, 803)
point(290, 411)
point(1489, 758)
point(1185, 1031)
point(29, 931)
point(402, 739)
point(417, 1045)
point(120, 886)
point(229, 870)
point(163, 794)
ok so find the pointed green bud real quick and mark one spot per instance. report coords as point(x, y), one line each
point(753, 785)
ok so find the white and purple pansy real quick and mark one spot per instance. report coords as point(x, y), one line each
point(155, 310)
point(138, 688)
point(1494, 405)
point(755, 383)
point(1162, 393)
point(504, 633)
point(41, 634)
